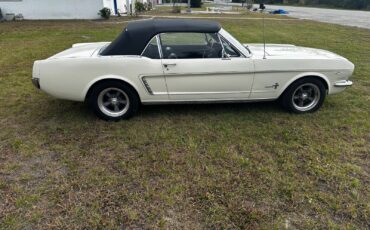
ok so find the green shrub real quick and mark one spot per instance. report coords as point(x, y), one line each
point(105, 13)
point(195, 3)
point(139, 7)
point(148, 6)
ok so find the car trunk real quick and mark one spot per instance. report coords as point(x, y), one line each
point(80, 50)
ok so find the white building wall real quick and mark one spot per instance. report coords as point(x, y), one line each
point(121, 5)
point(109, 4)
point(53, 9)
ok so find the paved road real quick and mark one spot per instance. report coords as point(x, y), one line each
point(341, 17)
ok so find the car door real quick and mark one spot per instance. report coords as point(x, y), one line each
point(200, 66)
point(151, 72)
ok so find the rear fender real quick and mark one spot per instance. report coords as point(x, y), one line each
point(109, 77)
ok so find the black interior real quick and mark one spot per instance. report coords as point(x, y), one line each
point(184, 51)
point(189, 51)
point(151, 51)
point(192, 51)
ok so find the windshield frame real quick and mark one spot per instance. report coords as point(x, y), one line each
point(242, 49)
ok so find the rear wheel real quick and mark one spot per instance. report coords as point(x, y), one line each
point(304, 96)
point(113, 100)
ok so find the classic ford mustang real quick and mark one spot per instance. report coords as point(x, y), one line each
point(177, 61)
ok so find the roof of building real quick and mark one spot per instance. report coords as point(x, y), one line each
point(137, 34)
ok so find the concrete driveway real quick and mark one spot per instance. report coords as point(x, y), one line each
point(341, 17)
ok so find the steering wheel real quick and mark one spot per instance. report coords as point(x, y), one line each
point(172, 56)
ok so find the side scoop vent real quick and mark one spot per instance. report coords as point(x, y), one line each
point(147, 86)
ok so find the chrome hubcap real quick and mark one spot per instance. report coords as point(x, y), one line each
point(113, 102)
point(306, 97)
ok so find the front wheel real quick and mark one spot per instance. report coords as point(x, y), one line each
point(304, 96)
point(113, 100)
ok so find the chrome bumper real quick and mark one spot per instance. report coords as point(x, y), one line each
point(343, 83)
point(36, 82)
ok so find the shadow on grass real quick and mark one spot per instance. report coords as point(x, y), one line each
point(70, 111)
point(212, 108)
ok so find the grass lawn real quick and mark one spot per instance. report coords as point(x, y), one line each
point(219, 166)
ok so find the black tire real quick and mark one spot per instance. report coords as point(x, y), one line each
point(121, 92)
point(303, 90)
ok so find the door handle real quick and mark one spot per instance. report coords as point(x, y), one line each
point(169, 64)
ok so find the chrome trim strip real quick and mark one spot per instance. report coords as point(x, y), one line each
point(299, 71)
point(159, 44)
point(223, 48)
point(343, 83)
point(202, 93)
point(208, 101)
point(243, 72)
point(262, 91)
point(198, 73)
point(160, 93)
point(206, 73)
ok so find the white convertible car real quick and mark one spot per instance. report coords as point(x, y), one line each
point(177, 61)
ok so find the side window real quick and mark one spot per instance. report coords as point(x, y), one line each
point(151, 50)
point(190, 45)
point(230, 51)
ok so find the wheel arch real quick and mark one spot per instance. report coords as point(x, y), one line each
point(324, 79)
point(99, 80)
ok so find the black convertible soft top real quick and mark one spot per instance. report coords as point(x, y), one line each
point(137, 34)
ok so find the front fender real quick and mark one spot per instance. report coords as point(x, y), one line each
point(302, 75)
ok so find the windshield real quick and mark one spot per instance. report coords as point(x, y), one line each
point(235, 42)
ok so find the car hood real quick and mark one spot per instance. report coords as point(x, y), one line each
point(81, 50)
point(277, 51)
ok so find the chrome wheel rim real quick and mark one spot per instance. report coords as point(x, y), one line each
point(113, 102)
point(306, 97)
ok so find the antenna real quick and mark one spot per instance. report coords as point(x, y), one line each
point(264, 37)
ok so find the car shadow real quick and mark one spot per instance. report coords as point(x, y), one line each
point(212, 108)
point(68, 111)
